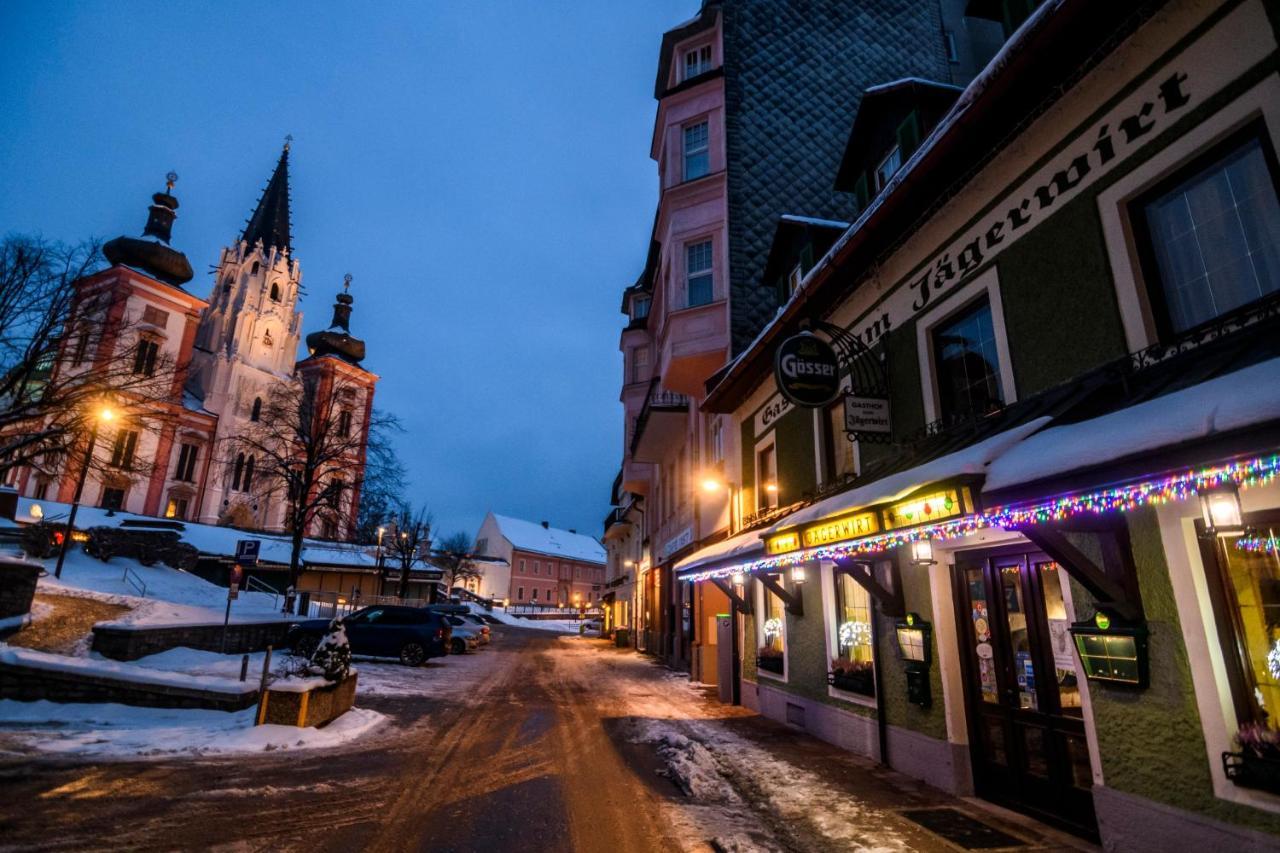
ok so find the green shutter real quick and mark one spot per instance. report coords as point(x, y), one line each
point(860, 192)
point(806, 258)
point(909, 135)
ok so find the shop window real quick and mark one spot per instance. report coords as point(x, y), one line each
point(1210, 237)
point(1248, 615)
point(772, 630)
point(853, 667)
point(967, 366)
point(698, 273)
point(697, 150)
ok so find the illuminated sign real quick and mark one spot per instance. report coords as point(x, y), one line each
point(823, 533)
point(782, 543)
point(924, 510)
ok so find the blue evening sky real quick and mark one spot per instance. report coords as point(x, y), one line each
point(481, 168)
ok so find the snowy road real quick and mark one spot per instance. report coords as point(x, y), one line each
point(537, 743)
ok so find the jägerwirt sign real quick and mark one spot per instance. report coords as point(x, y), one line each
point(807, 370)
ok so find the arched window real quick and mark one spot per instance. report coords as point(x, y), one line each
point(275, 292)
point(238, 472)
point(248, 474)
point(254, 271)
point(256, 414)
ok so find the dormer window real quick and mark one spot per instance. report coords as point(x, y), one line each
point(697, 161)
point(640, 307)
point(794, 278)
point(888, 167)
point(697, 61)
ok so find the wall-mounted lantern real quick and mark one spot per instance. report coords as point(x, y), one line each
point(738, 579)
point(1220, 507)
point(797, 573)
point(1113, 651)
point(922, 552)
point(915, 644)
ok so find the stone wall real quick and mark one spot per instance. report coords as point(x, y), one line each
point(128, 642)
point(29, 684)
point(17, 586)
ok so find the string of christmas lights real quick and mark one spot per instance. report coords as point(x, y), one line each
point(1177, 487)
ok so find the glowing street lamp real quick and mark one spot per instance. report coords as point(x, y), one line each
point(104, 415)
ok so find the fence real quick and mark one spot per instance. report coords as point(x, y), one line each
point(328, 605)
point(545, 612)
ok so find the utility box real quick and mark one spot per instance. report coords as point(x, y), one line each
point(724, 657)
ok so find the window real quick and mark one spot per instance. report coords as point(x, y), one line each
point(344, 424)
point(248, 474)
point(82, 347)
point(888, 167)
point(697, 148)
point(522, 569)
point(112, 498)
point(967, 368)
point(697, 61)
point(153, 316)
point(237, 472)
point(715, 450)
point(42, 490)
point(1248, 617)
point(1212, 240)
point(794, 278)
point(122, 451)
point(953, 55)
point(639, 364)
point(255, 414)
point(841, 453)
point(537, 567)
point(772, 633)
point(177, 508)
point(482, 545)
point(275, 292)
point(640, 307)
point(767, 478)
point(329, 529)
point(535, 593)
point(336, 488)
point(853, 665)
point(144, 357)
point(519, 593)
point(186, 470)
point(254, 270)
point(697, 264)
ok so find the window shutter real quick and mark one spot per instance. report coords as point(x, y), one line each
point(860, 192)
point(806, 258)
point(909, 135)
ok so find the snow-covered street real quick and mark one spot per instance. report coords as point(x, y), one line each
point(542, 741)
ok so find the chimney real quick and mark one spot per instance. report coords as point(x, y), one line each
point(545, 525)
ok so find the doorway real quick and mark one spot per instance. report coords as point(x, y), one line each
point(1026, 725)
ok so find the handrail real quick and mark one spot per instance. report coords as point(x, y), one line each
point(135, 580)
point(255, 585)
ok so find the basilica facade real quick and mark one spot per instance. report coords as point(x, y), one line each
point(182, 457)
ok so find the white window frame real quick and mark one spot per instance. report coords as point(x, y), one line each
point(709, 271)
point(883, 179)
point(987, 284)
point(831, 624)
point(769, 442)
point(761, 594)
point(686, 151)
point(704, 60)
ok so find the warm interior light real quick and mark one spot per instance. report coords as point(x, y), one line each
point(797, 573)
point(1220, 507)
point(922, 552)
point(711, 484)
point(771, 488)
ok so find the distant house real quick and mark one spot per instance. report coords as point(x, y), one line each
point(544, 564)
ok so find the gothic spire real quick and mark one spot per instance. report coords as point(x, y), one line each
point(270, 221)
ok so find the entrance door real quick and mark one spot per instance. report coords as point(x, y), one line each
point(1025, 722)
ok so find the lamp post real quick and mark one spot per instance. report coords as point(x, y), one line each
point(105, 414)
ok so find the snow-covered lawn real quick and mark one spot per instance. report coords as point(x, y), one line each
point(123, 731)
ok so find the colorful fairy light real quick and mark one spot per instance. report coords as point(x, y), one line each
point(1256, 544)
point(1177, 487)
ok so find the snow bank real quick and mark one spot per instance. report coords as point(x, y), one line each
point(123, 731)
point(103, 668)
point(562, 626)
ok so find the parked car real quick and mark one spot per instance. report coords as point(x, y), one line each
point(474, 622)
point(464, 640)
point(412, 634)
point(593, 625)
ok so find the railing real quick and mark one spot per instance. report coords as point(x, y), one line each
point(135, 580)
point(255, 585)
point(655, 399)
point(467, 595)
point(540, 610)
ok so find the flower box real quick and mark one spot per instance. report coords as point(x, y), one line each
point(307, 702)
point(771, 660)
point(853, 679)
point(1249, 770)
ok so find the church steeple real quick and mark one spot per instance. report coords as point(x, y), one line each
point(151, 252)
point(270, 221)
point(337, 340)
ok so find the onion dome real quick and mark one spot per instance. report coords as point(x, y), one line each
point(337, 340)
point(151, 252)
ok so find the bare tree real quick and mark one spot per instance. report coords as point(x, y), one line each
point(456, 554)
point(410, 541)
point(68, 350)
point(310, 452)
point(382, 489)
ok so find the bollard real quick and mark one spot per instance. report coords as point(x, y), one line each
point(262, 688)
point(244, 668)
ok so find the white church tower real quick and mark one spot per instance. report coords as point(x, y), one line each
point(247, 339)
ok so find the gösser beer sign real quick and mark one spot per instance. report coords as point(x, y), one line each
point(807, 370)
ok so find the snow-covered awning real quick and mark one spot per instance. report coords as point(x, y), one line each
point(735, 549)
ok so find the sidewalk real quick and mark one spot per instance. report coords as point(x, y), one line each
point(744, 782)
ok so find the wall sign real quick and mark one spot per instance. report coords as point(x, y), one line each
point(866, 416)
point(947, 503)
point(823, 533)
point(782, 543)
point(807, 370)
point(777, 406)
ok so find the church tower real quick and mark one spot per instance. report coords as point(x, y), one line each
point(248, 339)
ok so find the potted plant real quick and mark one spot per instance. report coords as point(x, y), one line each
point(852, 676)
point(770, 660)
point(1257, 764)
point(318, 689)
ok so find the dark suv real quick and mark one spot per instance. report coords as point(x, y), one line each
point(384, 631)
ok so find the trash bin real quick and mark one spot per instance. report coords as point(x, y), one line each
point(622, 638)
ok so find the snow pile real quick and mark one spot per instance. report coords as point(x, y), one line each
point(123, 731)
point(562, 626)
point(103, 668)
point(689, 764)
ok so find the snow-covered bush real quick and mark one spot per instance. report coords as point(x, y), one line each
point(332, 658)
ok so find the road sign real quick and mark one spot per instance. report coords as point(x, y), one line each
point(237, 577)
point(247, 552)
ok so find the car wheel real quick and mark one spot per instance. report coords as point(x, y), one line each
point(413, 654)
point(305, 646)
point(459, 646)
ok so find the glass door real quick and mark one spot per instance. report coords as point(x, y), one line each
point(1022, 697)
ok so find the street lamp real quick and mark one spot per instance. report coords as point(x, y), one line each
point(1220, 507)
point(104, 414)
point(712, 483)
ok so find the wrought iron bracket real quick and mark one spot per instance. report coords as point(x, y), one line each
point(795, 604)
point(741, 604)
point(891, 603)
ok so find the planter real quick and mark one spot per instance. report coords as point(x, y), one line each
point(18, 579)
point(862, 682)
point(771, 664)
point(1250, 771)
point(307, 701)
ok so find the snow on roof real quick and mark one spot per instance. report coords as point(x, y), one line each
point(530, 536)
point(973, 459)
point(904, 81)
point(1240, 399)
point(208, 538)
point(735, 546)
point(813, 220)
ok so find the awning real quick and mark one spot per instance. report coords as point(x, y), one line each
point(735, 549)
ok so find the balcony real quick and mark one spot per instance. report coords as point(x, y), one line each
point(695, 344)
point(662, 424)
point(636, 476)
